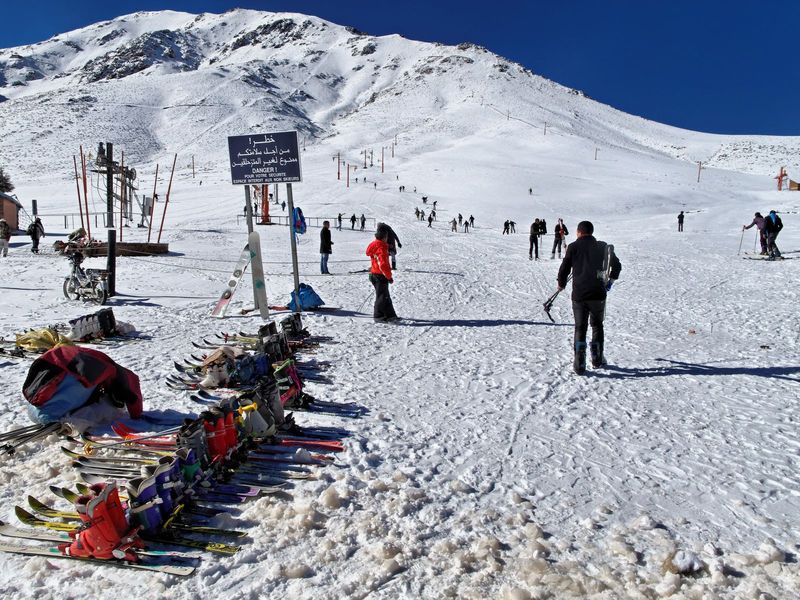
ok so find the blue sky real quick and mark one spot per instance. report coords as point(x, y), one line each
point(709, 65)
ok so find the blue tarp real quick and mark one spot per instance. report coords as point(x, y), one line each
point(308, 299)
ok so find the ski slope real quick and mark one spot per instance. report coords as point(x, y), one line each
point(483, 466)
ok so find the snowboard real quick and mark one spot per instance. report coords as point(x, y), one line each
point(259, 287)
point(225, 299)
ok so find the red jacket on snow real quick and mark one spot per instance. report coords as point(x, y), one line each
point(378, 251)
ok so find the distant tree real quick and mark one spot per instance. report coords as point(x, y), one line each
point(5, 182)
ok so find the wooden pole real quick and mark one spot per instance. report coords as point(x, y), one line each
point(166, 200)
point(699, 167)
point(78, 187)
point(348, 174)
point(86, 195)
point(152, 206)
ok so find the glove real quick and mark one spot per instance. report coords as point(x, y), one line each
point(399, 245)
point(609, 284)
point(390, 280)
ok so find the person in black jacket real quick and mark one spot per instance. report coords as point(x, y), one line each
point(534, 247)
point(772, 227)
point(589, 261)
point(394, 243)
point(680, 221)
point(325, 247)
point(36, 231)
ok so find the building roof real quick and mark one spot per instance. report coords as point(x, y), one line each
point(11, 199)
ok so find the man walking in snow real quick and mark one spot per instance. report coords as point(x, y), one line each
point(339, 222)
point(5, 236)
point(454, 225)
point(353, 221)
point(325, 247)
point(758, 221)
point(363, 221)
point(680, 221)
point(505, 227)
point(471, 221)
point(430, 220)
point(36, 231)
point(589, 261)
point(380, 276)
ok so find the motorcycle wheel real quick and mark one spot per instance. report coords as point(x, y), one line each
point(71, 289)
point(99, 294)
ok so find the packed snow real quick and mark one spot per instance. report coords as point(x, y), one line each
point(482, 467)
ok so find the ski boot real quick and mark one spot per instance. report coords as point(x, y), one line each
point(105, 533)
point(166, 476)
point(193, 436)
point(596, 352)
point(580, 358)
point(143, 502)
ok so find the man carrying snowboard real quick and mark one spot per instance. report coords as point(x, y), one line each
point(594, 268)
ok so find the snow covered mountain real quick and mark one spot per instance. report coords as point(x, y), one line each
point(163, 82)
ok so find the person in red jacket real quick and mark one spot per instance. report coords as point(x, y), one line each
point(380, 276)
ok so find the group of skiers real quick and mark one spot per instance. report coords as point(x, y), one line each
point(768, 229)
point(509, 227)
point(35, 230)
point(353, 221)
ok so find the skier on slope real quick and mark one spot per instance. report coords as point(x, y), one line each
point(533, 250)
point(416, 212)
point(680, 221)
point(363, 221)
point(460, 218)
point(380, 276)
point(559, 234)
point(512, 227)
point(772, 227)
point(430, 220)
point(758, 221)
point(589, 261)
point(393, 242)
point(471, 221)
point(353, 220)
point(339, 222)
point(454, 225)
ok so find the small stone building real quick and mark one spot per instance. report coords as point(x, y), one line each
point(9, 210)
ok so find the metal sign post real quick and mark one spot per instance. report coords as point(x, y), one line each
point(263, 159)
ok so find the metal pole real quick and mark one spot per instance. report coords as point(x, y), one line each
point(595, 153)
point(741, 239)
point(290, 202)
point(338, 167)
point(382, 149)
point(152, 206)
point(166, 200)
point(121, 191)
point(248, 211)
point(348, 174)
point(111, 259)
point(78, 187)
point(192, 166)
point(699, 166)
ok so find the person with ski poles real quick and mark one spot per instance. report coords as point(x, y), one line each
point(594, 268)
point(758, 221)
point(471, 221)
point(559, 234)
point(533, 250)
point(772, 227)
point(380, 276)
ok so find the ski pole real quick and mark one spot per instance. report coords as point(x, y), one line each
point(741, 239)
point(365, 300)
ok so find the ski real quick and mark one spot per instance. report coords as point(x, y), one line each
point(54, 552)
point(227, 295)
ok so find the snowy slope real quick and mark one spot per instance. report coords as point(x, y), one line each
point(483, 468)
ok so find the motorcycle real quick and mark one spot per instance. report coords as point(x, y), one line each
point(85, 284)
